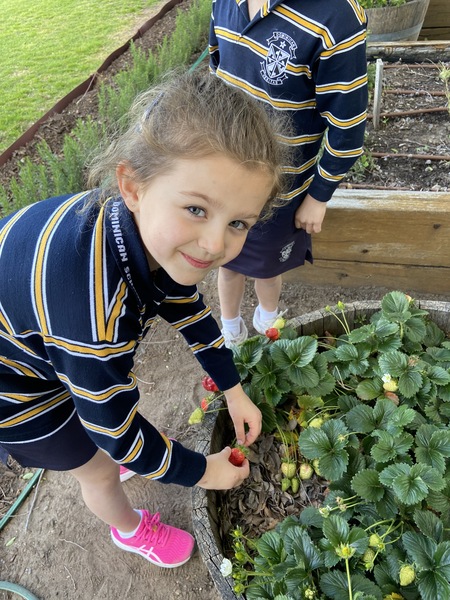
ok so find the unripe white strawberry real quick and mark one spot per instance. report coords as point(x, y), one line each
point(279, 323)
point(390, 386)
point(407, 575)
point(306, 471)
point(288, 469)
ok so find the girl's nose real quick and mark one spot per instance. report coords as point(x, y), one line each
point(213, 242)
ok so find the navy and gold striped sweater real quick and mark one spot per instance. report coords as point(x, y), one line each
point(308, 58)
point(76, 298)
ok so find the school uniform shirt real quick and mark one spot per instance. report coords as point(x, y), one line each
point(308, 59)
point(76, 298)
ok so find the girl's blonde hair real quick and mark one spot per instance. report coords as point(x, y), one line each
point(193, 115)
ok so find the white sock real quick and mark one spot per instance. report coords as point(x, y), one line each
point(130, 534)
point(233, 326)
point(265, 315)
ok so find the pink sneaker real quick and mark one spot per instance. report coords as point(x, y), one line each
point(162, 545)
point(126, 474)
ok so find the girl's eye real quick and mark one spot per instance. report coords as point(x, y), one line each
point(240, 225)
point(196, 211)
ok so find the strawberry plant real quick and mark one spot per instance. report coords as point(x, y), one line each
point(370, 412)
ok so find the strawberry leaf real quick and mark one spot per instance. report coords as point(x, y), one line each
point(429, 524)
point(367, 485)
point(395, 363)
point(336, 530)
point(410, 487)
point(360, 419)
point(292, 354)
point(420, 549)
point(369, 389)
point(415, 329)
point(395, 307)
point(432, 586)
point(410, 383)
point(389, 447)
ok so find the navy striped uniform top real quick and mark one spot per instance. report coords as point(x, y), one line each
point(76, 298)
point(306, 57)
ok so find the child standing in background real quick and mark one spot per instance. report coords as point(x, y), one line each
point(306, 58)
point(82, 278)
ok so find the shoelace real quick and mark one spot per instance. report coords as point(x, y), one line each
point(153, 531)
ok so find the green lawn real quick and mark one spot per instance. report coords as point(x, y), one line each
point(48, 47)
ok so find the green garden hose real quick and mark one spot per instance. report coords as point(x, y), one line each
point(17, 589)
point(21, 498)
point(7, 585)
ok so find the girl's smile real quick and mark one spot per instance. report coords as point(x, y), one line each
point(196, 216)
point(198, 264)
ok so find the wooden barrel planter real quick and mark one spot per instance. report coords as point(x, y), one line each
point(216, 432)
point(396, 23)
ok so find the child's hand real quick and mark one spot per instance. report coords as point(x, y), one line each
point(220, 474)
point(243, 412)
point(310, 215)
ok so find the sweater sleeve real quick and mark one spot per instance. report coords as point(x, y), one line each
point(341, 95)
point(185, 310)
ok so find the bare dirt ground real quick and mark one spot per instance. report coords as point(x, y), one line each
point(52, 545)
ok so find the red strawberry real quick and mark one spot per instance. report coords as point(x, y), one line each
point(204, 403)
point(272, 333)
point(238, 455)
point(209, 385)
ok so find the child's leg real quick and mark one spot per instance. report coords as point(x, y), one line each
point(141, 533)
point(231, 286)
point(103, 493)
point(268, 292)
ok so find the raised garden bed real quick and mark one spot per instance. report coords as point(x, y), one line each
point(209, 508)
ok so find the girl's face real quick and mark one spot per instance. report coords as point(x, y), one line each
point(196, 217)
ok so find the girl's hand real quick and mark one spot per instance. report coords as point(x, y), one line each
point(220, 474)
point(310, 215)
point(243, 412)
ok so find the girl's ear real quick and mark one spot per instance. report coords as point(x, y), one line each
point(128, 187)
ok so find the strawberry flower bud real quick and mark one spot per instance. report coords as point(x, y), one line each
point(345, 551)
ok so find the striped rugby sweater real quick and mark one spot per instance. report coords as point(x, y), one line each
point(76, 299)
point(306, 57)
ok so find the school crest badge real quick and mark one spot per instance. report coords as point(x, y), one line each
point(281, 49)
point(286, 251)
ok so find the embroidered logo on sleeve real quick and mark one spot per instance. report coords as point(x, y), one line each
point(285, 252)
point(281, 49)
